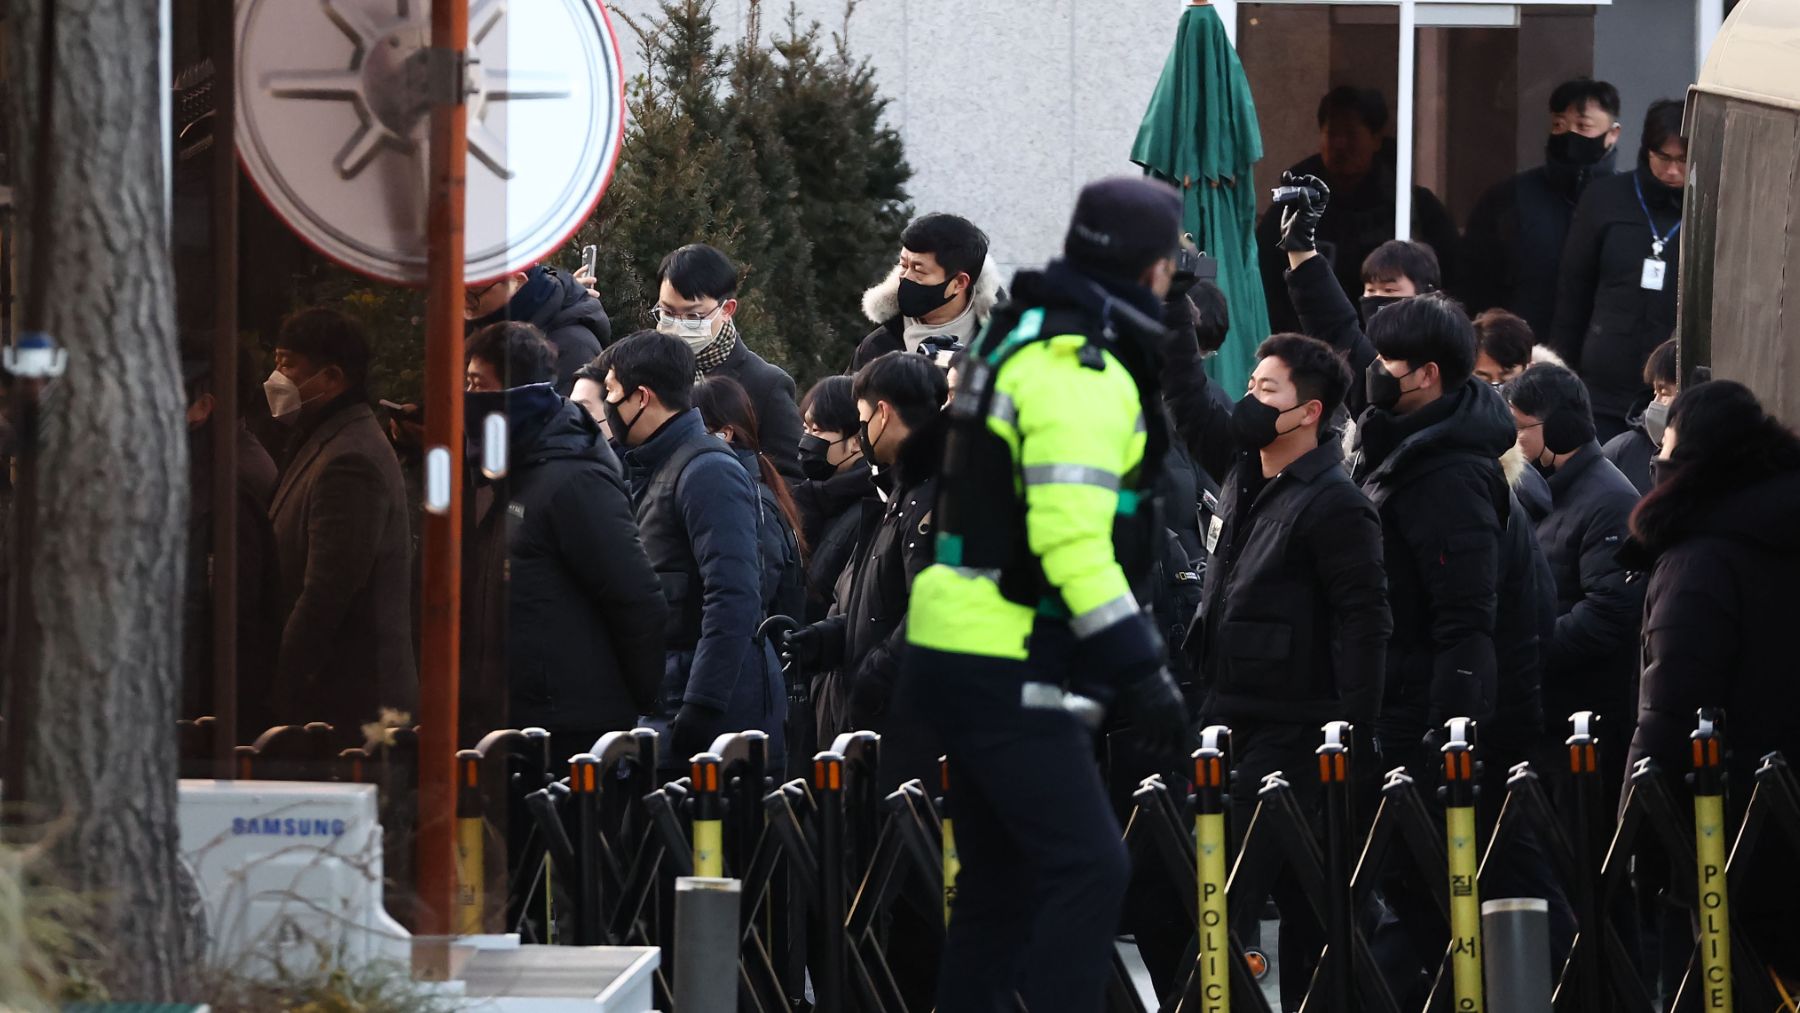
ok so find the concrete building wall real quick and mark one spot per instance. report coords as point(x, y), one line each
point(1007, 108)
point(1646, 49)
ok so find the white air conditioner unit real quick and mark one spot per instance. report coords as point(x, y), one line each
point(292, 871)
point(287, 870)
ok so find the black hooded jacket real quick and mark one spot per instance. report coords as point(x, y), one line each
point(1719, 615)
point(1512, 250)
point(574, 321)
point(1606, 322)
point(580, 612)
point(865, 639)
point(1631, 450)
point(830, 514)
point(1719, 633)
point(1434, 476)
point(1592, 662)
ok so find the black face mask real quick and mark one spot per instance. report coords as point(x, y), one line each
point(1373, 304)
point(1383, 387)
point(815, 457)
point(1256, 424)
point(615, 420)
point(1566, 431)
point(1571, 148)
point(866, 445)
point(916, 300)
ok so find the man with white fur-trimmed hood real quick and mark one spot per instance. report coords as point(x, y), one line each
point(940, 293)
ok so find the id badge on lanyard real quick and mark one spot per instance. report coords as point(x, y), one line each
point(1656, 270)
point(1210, 521)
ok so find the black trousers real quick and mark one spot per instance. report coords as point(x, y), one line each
point(1044, 868)
point(1264, 748)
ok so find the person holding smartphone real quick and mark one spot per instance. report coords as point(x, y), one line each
point(565, 309)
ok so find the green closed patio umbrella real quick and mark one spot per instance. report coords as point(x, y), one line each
point(1200, 133)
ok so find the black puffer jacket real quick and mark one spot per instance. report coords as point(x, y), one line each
point(1592, 662)
point(1512, 250)
point(778, 547)
point(1435, 478)
point(1524, 623)
point(1607, 323)
point(1718, 630)
point(575, 322)
point(1719, 633)
point(830, 514)
point(1327, 314)
point(696, 511)
point(1295, 618)
point(1631, 450)
point(584, 612)
point(864, 641)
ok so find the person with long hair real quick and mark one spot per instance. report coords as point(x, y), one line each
point(1720, 536)
point(836, 486)
point(725, 408)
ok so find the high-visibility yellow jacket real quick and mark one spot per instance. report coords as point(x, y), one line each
point(1055, 393)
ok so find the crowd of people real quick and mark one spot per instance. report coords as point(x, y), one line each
point(1410, 514)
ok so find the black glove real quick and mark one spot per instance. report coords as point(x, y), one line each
point(1300, 216)
point(1159, 715)
point(803, 646)
point(1191, 266)
point(693, 728)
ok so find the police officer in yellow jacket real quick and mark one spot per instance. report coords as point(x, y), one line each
point(1032, 624)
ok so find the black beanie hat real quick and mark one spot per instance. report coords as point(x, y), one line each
point(1124, 224)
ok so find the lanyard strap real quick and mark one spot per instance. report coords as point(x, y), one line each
point(1657, 242)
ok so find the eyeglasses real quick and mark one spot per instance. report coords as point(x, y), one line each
point(658, 314)
point(1526, 429)
point(1658, 156)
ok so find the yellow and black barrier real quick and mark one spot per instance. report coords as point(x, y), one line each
point(1713, 890)
point(1212, 762)
point(952, 865)
point(589, 892)
point(709, 817)
point(617, 841)
point(1462, 850)
point(471, 841)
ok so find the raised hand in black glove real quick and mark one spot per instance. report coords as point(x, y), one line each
point(1300, 216)
point(693, 728)
point(1159, 715)
point(1191, 267)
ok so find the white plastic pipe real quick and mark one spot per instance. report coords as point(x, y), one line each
point(1403, 128)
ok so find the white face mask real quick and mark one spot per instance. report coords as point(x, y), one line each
point(284, 396)
point(697, 333)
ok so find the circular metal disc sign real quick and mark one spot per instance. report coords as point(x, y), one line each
point(333, 111)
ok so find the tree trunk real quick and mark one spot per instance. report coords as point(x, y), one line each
point(99, 752)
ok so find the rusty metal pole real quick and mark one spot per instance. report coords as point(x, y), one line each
point(441, 571)
point(225, 392)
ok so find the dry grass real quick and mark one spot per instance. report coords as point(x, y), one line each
point(47, 958)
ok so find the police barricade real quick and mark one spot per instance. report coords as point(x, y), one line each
point(834, 874)
point(826, 865)
point(1434, 854)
